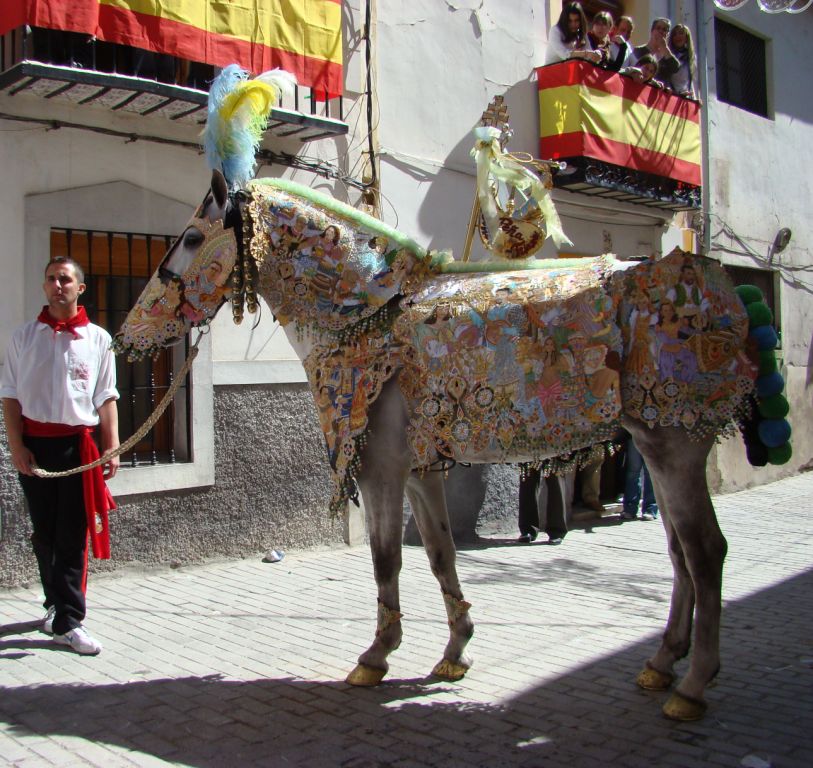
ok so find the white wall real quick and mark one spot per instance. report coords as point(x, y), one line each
point(759, 181)
point(439, 66)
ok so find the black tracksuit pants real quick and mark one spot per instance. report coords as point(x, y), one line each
point(60, 537)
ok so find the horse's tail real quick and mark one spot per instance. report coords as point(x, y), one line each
point(766, 431)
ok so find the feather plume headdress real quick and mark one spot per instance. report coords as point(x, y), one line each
point(237, 116)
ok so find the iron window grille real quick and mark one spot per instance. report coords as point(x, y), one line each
point(117, 267)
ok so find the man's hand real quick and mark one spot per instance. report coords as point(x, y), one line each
point(109, 468)
point(22, 459)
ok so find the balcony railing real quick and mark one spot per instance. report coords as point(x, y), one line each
point(67, 66)
point(620, 139)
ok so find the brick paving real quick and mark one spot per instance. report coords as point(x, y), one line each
point(242, 663)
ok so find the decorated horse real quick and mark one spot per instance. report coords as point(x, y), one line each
point(415, 359)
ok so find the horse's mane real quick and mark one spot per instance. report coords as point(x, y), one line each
point(345, 211)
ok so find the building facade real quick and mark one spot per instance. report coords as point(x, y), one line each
point(240, 466)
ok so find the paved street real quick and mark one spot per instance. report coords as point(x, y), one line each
point(242, 663)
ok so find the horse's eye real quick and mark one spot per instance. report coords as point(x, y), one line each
point(193, 238)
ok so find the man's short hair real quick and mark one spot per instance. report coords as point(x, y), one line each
point(80, 273)
point(661, 20)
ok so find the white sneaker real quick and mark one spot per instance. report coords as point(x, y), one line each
point(48, 621)
point(81, 642)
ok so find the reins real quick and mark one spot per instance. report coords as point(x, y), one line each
point(142, 431)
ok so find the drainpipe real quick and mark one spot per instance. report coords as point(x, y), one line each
point(703, 72)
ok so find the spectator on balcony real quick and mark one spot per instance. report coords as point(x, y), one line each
point(598, 38)
point(658, 48)
point(682, 82)
point(644, 72)
point(613, 55)
point(620, 48)
point(568, 36)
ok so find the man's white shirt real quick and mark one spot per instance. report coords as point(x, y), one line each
point(57, 377)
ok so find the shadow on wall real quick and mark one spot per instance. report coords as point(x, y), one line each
point(448, 196)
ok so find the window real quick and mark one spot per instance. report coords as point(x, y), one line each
point(117, 267)
point(741, 73)
point(767, 282)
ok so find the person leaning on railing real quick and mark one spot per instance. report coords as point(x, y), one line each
point(682, 82)
point(658, 48)
point(568, 36)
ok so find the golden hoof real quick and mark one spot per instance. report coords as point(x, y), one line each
point(651, 680)
point(680, 707)
point(363, 675)
point(450, 670)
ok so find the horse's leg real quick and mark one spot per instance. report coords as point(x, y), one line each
point(385, 466)
point(428, 502)
point(697, 548)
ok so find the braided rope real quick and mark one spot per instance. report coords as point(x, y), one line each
point(142, 431)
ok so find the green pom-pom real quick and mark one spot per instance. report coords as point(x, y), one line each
point(774, 407)
point(767, 361)
point(780, 454)
point(748, 294)
point(759, 313)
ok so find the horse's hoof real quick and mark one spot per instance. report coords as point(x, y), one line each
point(650, 679)
point(684, 708)
point(450, 670)
point(363, 675)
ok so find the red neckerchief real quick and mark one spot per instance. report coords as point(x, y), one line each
point(77, 321)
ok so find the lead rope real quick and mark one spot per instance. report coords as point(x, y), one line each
point(146, 427)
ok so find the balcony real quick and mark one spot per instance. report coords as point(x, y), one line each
point(621, 140)
point(67, 68)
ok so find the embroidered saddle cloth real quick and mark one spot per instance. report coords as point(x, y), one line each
point(511, 365)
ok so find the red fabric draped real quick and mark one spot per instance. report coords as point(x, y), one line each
point(98, 499)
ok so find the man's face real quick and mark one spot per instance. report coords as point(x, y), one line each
point(688, 275)
point(624, 29)
point(649, 70)
point(62, 287)
point(660, 30)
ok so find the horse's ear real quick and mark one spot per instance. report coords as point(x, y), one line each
point(220, 189)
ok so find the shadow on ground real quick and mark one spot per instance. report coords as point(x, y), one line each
point(210, 721)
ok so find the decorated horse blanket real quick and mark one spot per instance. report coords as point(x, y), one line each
point(528, 364)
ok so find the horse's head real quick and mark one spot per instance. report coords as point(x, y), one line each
point(192, 282)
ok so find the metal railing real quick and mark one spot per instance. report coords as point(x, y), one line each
point(80, 51)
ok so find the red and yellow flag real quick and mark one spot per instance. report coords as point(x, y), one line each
point(585, 111)
point(301, 36)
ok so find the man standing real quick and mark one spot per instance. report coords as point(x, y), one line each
point(530, 519)
point(658, 47)
point(58, 383)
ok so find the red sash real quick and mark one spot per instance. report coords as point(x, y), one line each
point(98, 499)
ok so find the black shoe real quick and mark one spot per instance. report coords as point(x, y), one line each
point(627, 516)
point(527, 538)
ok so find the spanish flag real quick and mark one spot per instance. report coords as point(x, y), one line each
point(301, 36)
point(585, 111)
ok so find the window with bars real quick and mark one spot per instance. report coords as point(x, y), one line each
point(117, 266)
point(741, 70)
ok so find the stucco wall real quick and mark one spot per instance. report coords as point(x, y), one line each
point(271, 491)
point(760, 181)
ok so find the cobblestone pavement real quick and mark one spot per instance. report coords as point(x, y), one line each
point(242, 663)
